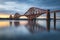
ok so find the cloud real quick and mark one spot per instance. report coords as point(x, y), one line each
point(22, 6)
point(13, 6)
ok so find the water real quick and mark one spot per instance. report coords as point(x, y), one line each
point(30, 30)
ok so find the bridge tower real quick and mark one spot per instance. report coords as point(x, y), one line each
point(54, 20)
point(16, 16)
point(48, 14)
point(54, 15)
point(10, 17)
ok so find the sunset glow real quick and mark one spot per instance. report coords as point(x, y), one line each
point(41, 17)
point(4, 15)
point(4, 23)
point(23, 22)
point(23, 17)
point(7, 16)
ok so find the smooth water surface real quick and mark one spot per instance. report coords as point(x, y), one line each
point(30, 30)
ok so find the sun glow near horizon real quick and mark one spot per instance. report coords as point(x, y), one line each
point(4, 15)
point(22, 17)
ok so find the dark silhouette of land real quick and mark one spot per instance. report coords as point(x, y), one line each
point(26, 19)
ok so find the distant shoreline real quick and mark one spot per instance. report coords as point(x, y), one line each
point(26, 19)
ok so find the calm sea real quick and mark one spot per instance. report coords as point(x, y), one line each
point(30, 30)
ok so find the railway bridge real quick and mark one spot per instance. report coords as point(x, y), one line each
point(34, 12)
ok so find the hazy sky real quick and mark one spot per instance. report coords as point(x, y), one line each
point(21, 6)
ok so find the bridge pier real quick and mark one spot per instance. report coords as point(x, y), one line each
point(54, 15)
point(48, 20)
point(54, 20)
point(48, 14)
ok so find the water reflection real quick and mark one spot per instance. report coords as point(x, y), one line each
point(10, 23)
point(32, 25)
point(48, 25)
point(4, 23)
point(16, 23)
point(27, 27)
point(54, 24)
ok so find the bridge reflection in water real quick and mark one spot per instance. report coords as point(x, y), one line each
point(34, 26)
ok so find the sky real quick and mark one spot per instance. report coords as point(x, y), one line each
point(21, 6)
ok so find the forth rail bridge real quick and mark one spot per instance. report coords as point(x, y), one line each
point(34, 12)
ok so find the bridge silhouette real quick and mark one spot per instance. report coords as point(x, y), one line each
point(34, 12)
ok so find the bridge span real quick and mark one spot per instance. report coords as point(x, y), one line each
point(34, 12)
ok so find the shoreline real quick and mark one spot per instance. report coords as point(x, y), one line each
point(27, 19)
